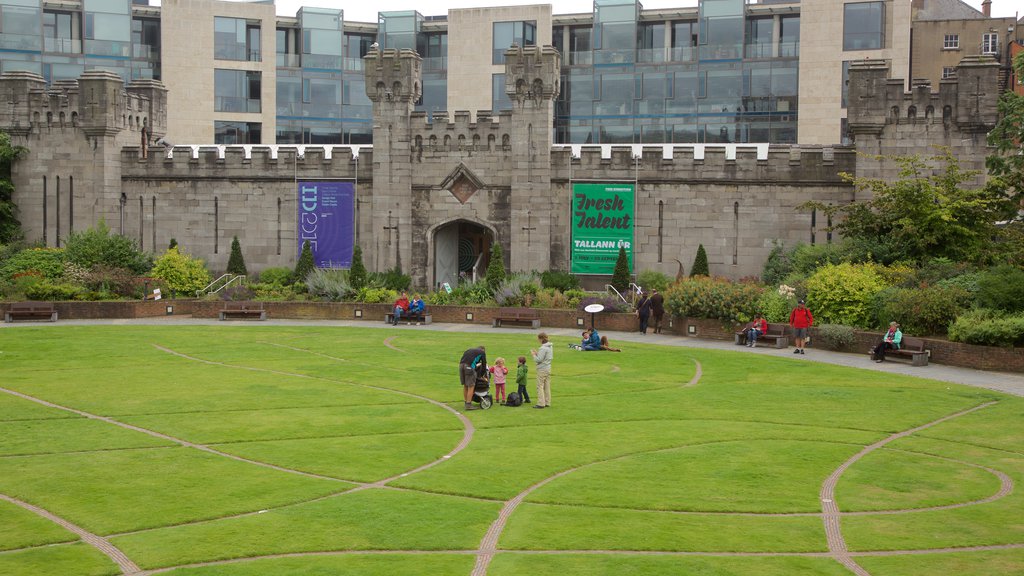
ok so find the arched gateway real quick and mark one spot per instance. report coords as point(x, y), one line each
point(460, 249)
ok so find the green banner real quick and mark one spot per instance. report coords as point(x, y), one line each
point(602, 220)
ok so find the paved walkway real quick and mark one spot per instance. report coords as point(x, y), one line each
point(1002, 381)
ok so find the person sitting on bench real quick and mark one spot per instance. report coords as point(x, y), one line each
point(401, 307)
point(416, 306)
point(757, 328)
point(891, 341)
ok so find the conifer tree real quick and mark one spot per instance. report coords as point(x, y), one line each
point(621, 277)
point(306, 264)
point(495, 268)
point(173, 244)
point(357, 273)
point(236, 262)
point(700, 263)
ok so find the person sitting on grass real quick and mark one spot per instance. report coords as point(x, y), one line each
point(605, 346)
point(591, 341)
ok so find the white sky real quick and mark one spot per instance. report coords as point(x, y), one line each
point(367, 11)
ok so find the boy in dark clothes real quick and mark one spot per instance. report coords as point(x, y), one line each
point(521, 371)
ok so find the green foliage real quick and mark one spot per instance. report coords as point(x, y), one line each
point(111, 281)
point(777, 266)
point(98, 246)
point(472, 293)
point(926, 213)
point(392, 279)
point(330, 284)
point(924, 311)
point(517, 290)
point(10, 228)
point(621, 276)
point(278, 275)
point(236, 262)
point(836, 336)
point(372, 295)
point(272, 291)
point(48, 262)
point(988, 328)
point(708, 297)
point(776, 305)
point(844, 293)
point(807, 258)
point(700, 263)
point(559, 279)
point(1006, 164)
point(1001, 288)
point(53, 291)
point(495, 268)
point(653, 280)
point(968, 282)
point(172, 244)
point(306, 264)
point(357, 272)
point(181, 272)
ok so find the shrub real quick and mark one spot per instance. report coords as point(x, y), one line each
point(940, 270)
point(836, 336)
point(551, 298)
point(708, 297)
point(621, 276)
point(97, 246)
point(371, 295)
point(776, 304)
point(305, 264)
point(472, 293)
point(560, 280)
point(653, 280)
point(921, 311)
point(392, 280)
point(330, 284)
point(172, 244)
point(1001, 288)
point(495, 268)
point(47, 262)
point(279, 275)
point(807, 258)
point(357, 272)
point(237, 293)
point(107, 279)
point(47, 290)
point(272, 291)
point(988, 328)
point(777, 266)
point(180, 272)
point(967, 281)
point(700, 263)
point(236, 262)
point(517, 290)
point(844, 293)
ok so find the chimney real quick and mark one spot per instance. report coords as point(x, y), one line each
point(986, 8)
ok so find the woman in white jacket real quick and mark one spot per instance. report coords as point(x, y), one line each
point(543, 358)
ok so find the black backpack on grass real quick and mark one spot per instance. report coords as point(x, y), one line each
point(514, 400)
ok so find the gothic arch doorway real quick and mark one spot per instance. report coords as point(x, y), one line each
point(462, 251)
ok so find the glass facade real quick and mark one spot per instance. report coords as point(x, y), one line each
point(725, 77)
point(236, 39)
point(237, 132)
point(236, 91)
point(864, 26)
point(505, 34)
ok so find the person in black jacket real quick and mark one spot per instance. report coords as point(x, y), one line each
point(657, 309)
point(472, 365)
point(643, 311)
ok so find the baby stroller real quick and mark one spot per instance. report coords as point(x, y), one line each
point(482, 392)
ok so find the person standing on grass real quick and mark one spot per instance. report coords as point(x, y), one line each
point(657, 310)
point(800, 319)
point(500, 372)
point(543, 357)
point(472, 364)
point(521, 372)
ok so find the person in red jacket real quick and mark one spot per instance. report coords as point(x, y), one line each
point(401, 307)
point(800, 319)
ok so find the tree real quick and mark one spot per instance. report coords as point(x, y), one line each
point(181, 272)
point(357, 273)
point(306, 264)
point(1006, 165)
point(10, 227)
point(236, 262)
point(495, 268)
point(700, 263)
point(621, 276)
point(925, 213)
point(97, 246)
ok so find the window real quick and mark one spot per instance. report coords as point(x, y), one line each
point(62, 32)
point(789, 36)
point(508, 33)
point(951, 42)
point(990, 43)
point(236, 91)
point(237, 132)
point(759, 37)
point(499, 99)
point(579, 45)
point(287, 48)
point(864, 26)
point(236, 39)
point(684, 40)
point(846, 83)
point(948, 72)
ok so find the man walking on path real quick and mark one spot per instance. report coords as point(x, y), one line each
point(800, 319)
point(473, 363)
point(543, 357)
point(657, 309)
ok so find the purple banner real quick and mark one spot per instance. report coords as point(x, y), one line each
point(327, 221)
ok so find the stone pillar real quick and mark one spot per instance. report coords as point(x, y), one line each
point(15, 91)
point(977, 94)
point(532, 82)
point(101, 103)
point(156, 111)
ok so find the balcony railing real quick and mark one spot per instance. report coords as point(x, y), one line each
point(288, 60)
point(62, 45)
point(236, 104)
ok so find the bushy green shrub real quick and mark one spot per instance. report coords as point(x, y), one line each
point(517, 290)
point(357, 272)
point(988, 328)
point(98, 246)
point(711, 297)
point(807, 258)
point(573, 297)
point(236, 262)
point(279, 275)
point(54, 291)
point(181, 273)
point(560, 280)
point(653, 280)
point(836, 336)
point(371, 295)
point(305, 264)
point(700, 263)
point(776, 304)
point(551, 298)
point(967, 281)
point(844, 294)
point(777, 266)
point(921, 311)
point(621, 275)
point(495, 268)
point(330, 284)
point(393, 279)
point(272, 291)
point(938, 270)
point(48, 262)
point(110, 280)
point(610, 303)
point(1001, 288)
point(472, 293)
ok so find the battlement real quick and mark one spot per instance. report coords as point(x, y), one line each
point(393, 75)
point(98, 103)
point(460, 132)
point(255, 161)
point(967, 102)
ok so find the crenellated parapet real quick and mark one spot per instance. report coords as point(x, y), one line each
point(444, 133)
point(532, 73)
point(393, 75)
point(255, 161)
point(98, 103)
point(967, 103)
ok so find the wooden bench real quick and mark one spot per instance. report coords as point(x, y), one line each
point(30, 311)
point(912, 348)
point(521, 315)
point(243, 311)
point(776, 334)
point(417, 318)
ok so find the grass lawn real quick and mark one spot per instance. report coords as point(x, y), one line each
point(260, 449)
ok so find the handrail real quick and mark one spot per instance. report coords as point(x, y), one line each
point(231, 279)
point(612, 288)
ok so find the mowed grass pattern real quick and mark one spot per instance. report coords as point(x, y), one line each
point(237, 450)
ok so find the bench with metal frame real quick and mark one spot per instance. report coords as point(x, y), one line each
point(521, 315)
point(243, 311)
point(44, 311)
point(776, 334)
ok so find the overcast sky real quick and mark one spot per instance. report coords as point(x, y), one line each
point(367, 11)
